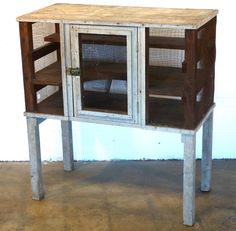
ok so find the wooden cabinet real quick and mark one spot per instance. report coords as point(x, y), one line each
point(151, 68)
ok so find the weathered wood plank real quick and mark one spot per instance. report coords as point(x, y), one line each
point(122, 15)
point(166, 42)
point(26, 39)
point(55, 37)
point(190, 80)
point(52, 104)
point(44, 50)
point(50, 75)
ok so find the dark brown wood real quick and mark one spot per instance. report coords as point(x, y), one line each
point(33, 82)
point(52, 105)
point(55, 38)
point(166, 42)
point(154, 41)
point(105, 102)
point(166, 112)
point(115, 40)
point(57, 31)
point(44, 50)
point(207, 35)
point(167, 81)
point(50, 75)
point(26, 40)
point(189, 97)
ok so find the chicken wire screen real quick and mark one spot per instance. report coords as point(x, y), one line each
point(166, 57)
point(104, 53)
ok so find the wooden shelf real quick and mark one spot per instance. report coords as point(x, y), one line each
point(55, 37)
point(166, 113)
point(105, 102)
point(154, 41)
point(93, 70)
point(166, 81)
point(52, 105)
point(166, 42)
point(50, 75)
point(163, 81)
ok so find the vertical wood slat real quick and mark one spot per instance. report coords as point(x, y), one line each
point(57, 30)
point(26, 40)
point(190, 80)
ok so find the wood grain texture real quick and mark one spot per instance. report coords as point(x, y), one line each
point(122, 15)
point(26, 39)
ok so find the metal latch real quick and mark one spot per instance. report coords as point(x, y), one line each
point(74, 71)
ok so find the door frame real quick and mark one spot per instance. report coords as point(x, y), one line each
point(132, 80)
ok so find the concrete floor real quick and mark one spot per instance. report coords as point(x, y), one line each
point(115, 196)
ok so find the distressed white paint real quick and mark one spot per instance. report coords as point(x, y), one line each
point(206, 162)
point(189, 175)
point(131, 40)
point(35, 158)
point(67, 145)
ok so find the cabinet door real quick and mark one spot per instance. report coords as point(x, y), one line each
point(104, 70)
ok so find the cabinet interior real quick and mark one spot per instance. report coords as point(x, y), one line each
point(176, 96)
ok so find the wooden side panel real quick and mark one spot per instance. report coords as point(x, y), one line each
point(208, 62)
point(205, 74)
point(26, 40)
point(189, 98)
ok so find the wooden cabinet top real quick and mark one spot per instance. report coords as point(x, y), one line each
point(121, 15)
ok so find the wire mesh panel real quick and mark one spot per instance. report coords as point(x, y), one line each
point(106, 85)
point(41, 68)
point(180, 75)
point(165, 76)
point(101, 63)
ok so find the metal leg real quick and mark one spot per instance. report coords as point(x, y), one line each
point(189, 179)
point(206, 162)
point(67, 144)
point(35, 158)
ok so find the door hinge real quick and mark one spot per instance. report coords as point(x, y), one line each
point(74, 71)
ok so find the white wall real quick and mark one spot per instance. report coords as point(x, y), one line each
point(110, 142)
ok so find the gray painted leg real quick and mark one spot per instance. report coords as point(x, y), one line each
point(189, 179)
point(67, 144)
point(35, 158)
point(206, 162)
